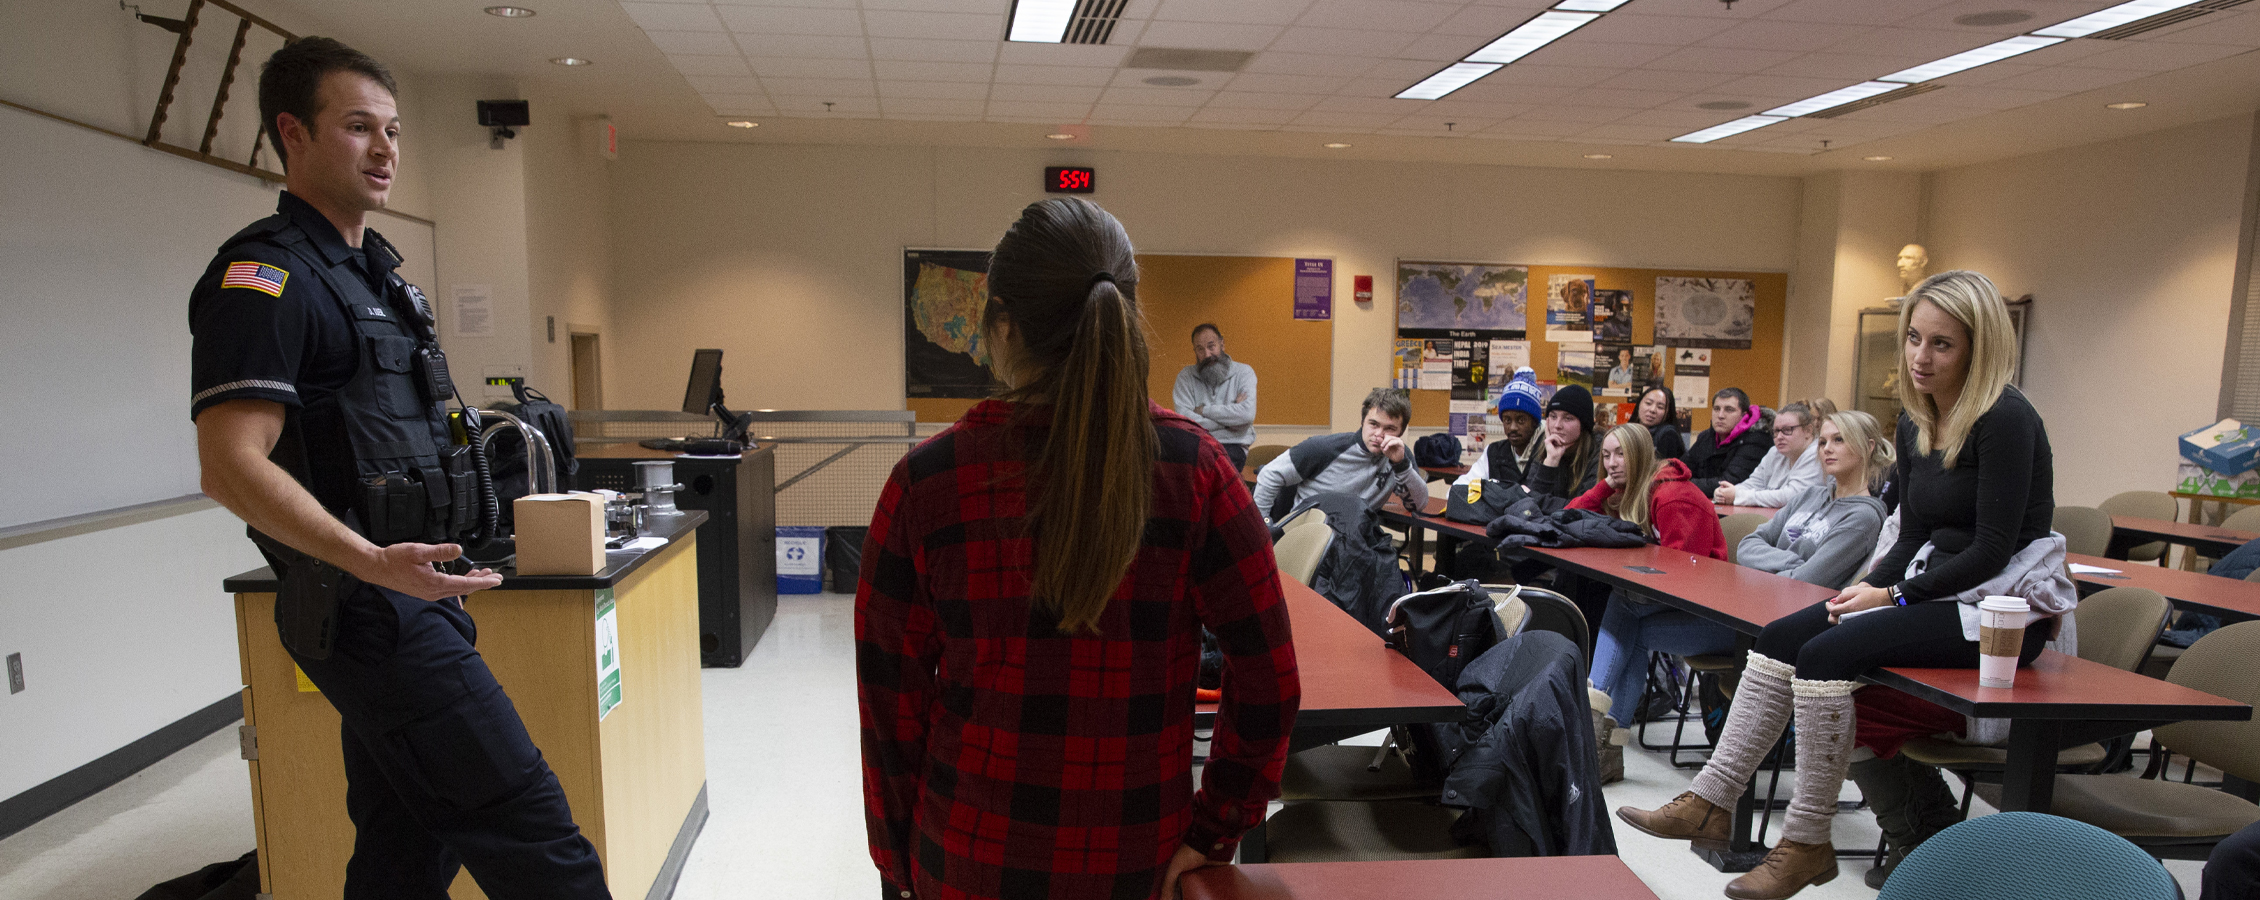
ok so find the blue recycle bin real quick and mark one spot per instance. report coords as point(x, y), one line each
point(800, 559)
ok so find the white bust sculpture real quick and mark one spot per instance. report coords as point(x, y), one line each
point(1913, 259)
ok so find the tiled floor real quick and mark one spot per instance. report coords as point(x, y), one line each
point(783, 783)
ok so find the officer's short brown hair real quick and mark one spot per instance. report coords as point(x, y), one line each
point(291, 82)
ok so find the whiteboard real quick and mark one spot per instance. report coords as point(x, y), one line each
point(99, 246)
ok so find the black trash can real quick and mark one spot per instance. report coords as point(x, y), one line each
point(843, 557)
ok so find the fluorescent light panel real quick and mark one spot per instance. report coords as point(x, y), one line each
point(1599, 6)
point(2111, 18)
point(1545, 28)
point(1833, 99)
point(1454, 77)
point(1041, 21)
point(1971, 59)
point(1729, 129)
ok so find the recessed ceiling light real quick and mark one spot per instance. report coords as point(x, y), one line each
point(743, 124)
point(1337, 145)
point(2130, 104)
point(1996, 17)
point(1454, 77)
point(510, 12)
point(1971, 59)
point(1060, 136)
point(1729, 129)
point(570, 61)
point(2111, 18)
point(1041, 21)
point(1172, 81)
point(1543, 29)
point(1598, 156)
point(1833, 99)
point(1876, 158)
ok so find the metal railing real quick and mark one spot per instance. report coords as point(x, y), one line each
point(831, 464)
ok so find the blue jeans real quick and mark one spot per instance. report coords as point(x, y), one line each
point(1630, 628)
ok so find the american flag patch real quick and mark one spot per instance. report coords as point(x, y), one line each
point(259, 277)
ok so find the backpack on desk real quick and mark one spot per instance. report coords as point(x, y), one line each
point(1436, 450)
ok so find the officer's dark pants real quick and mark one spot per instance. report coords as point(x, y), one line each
point(440, 774)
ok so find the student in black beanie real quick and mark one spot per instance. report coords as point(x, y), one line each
point(1568, 461)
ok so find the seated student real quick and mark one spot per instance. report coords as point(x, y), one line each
point(1729, 450)
point(1822, 536)
point(1372, 462)
point(1660, 412)
point(2232, 871)
point(1508, 458)
point(1569, 458)
point(1791, 468)
point(1652, 494)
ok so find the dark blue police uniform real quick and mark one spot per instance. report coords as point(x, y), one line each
point(440, 773)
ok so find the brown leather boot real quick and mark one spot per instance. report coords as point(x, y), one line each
point(1688, 817)
point(1788, 868)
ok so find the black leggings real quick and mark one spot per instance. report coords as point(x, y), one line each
point(1919, 635)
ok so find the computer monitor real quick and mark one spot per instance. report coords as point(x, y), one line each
point(705, 389)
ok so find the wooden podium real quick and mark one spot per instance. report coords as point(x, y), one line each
point(635, 775)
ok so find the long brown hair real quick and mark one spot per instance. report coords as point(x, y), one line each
point(1066, 279)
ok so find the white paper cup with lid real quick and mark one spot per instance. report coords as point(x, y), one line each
point(2001, 637)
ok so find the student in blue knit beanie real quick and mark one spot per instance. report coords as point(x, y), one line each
point(1508, 457)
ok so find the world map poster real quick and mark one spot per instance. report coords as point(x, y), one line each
point(1445, 300)
point(943, 294)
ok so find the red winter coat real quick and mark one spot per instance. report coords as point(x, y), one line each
point(1681, 516)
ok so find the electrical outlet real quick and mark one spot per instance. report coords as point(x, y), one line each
point(15, 673)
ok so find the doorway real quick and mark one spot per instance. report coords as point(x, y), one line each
point(588, 372)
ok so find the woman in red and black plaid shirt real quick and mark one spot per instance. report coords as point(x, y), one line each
point(1028, 624)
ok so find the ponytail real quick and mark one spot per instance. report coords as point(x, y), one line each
point(1066, 278)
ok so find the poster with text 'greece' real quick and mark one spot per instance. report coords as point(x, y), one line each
point(1435, 299)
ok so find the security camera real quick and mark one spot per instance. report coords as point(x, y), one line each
point(503, 115)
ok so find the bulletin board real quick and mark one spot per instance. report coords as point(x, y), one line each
point(1249, 298)
point(1757, 371)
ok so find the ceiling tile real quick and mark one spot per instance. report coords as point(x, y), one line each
point(1526, 94)
point(1252, 12)
point(1799, 36)
point(1061, 75)
point(1653, 80)
point(672, 17)
point(1229, 99)
point(1208, 36)
point(1624, 99)
point(1633, 28)
point(739, 104)
point(1375, 105)
point(804, 46)
point(1780, 87)
point(1854, 12)
point(827, 88)
point(911, 5)
point(1981, 98)
point(725, 85)
point(1140, 115)
point(787, 20)
point(1446, 125)
point(1346, 120)
point(836, 4)
point(1243, 116)
point(2044, 13)
point(1591, 115)
point(1313, 84)
point(970, 109)
point(911, 50)
point(1154, 96)
point(1060, 54)
point(1473, 110)
point(1436, 49)
point(1549, 76)
point(1064, 112)
point(1274, 62)
point(811, 68)
point(843, 107)
point(1622, 131)
point(935, 90)
point(1386, 15)
point(1921, 43)
point(1849, 67)
point(695, 43)
point(732, 65)
point(1485, 21)
point(933, 71)
point(2067, 79)
point(1408, 71)
point(1046, 93)
point(1908, 112)
point(2239, 27)
point(1535, 128)
point(1685, 120)
point(1574, 52)
point(2141, 56)
point(1136, 78)
point(1719, 59)
point(1352, 42)
point(938, 26)
point(1377, 87)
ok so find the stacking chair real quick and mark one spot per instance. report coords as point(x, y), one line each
point(1303, 546)
point(1739, 526)
point(1262, 454)
point(2244, 519)
point(2085, 529)
point(2028, 856)
point(2172, 820)
point(2148, 505)
point(2117, 627)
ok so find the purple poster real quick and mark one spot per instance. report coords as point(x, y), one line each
point(1314, 289)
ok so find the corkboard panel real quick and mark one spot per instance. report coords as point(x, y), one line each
point(1249, 298)
point(1757, 371)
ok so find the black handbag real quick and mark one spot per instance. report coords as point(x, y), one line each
point(1478, 502)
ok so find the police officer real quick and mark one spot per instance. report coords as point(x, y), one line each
point(320, 398)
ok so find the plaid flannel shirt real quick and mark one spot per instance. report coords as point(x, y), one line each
point(1002, 758)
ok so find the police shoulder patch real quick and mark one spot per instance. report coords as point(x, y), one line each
point(257, 276)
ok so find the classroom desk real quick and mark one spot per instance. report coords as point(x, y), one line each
point(1431, 518)
point(1448, 473)
point(1537, 878)
point(2196, 591)
point(2059, 701)
point(2211, 541)
point(1726, 509)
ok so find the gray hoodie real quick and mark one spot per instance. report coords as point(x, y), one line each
point(1355, 472)
point(1229, 419)
point(1817, 538)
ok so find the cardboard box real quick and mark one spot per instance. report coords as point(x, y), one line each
point(2226, 447)
point(2196, 479)
point(560, 534)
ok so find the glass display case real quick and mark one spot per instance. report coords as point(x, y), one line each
point(1875, 374)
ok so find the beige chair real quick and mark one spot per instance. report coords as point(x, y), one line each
point(2172, 820)
point(2148, 505)
point(1261, 454)
point(2117, 627)
point(2246, 518)
point(2085, 529)
point(1739, 526)
point(1300, 550)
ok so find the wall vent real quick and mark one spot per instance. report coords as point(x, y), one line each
point(1875, 101)
point(1188, 60)
point(2161, 20)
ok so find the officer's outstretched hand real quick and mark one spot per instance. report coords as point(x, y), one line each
point(407, 568)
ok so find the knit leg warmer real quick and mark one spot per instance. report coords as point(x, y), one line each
point(1761, 710)
point(1824, 753)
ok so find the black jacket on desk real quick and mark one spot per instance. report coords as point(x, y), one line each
point(2000, 496)
point(1713, 464)
point(1527, 766)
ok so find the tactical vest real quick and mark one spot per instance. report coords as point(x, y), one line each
point(413, 480)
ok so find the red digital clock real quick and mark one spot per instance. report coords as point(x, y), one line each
point(1070, 180)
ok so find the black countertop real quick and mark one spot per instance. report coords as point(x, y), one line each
point(617, 565)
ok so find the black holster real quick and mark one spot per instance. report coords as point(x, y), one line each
point(306, 603)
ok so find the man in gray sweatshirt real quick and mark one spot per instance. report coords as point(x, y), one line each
point(1218, 394)
point(1370, 463)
